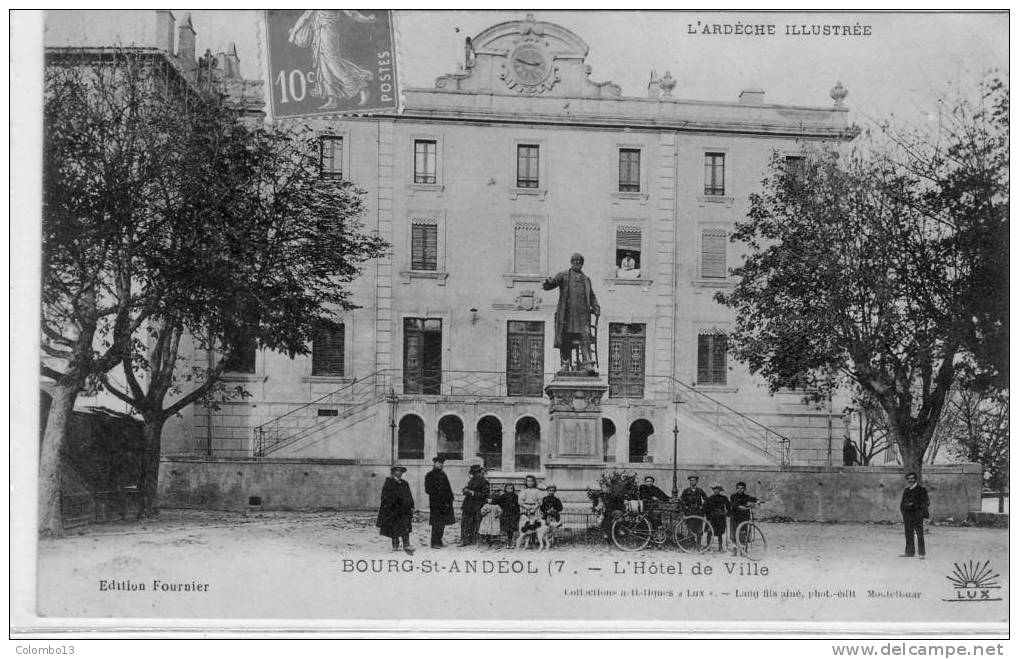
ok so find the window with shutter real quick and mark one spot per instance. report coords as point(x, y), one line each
point(713, 254)
point(424, 249)
point(629, 170)
point(331, 157)
point(628, 243)
point(327, 352)
point(711, 360)
point(241, 355)
point(794, 168)
point(527, 248)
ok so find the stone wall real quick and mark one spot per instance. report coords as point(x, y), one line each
point(799, 492)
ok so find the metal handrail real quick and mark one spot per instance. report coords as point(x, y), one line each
point(738, 418)
point(319, 400)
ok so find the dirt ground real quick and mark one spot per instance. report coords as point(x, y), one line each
point(335, 566)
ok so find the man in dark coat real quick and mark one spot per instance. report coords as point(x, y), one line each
point(397, 509)
point(739, 510)
point(440, 500)
point(915, 507)
point(475, 496)
point(692, 498)
point(573, 314)
point(848, 453)
point(649, 492)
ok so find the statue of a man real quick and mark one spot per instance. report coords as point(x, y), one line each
point(573, 314)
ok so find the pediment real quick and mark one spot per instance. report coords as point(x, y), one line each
point(526, 57)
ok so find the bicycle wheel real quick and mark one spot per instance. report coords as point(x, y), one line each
point(631, 533)
point(750, 540)
point(693, 534)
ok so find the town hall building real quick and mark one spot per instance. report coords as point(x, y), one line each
point(484, 185)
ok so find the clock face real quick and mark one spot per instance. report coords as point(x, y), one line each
point(530, 65)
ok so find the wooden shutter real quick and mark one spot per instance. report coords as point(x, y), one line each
point(527, 248)
point(713, 254)
point(327, 352)
point(424, 250)
point(628, 238)
point(711, 366)
point(629, 170)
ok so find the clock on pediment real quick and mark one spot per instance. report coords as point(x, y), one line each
point(529, 68)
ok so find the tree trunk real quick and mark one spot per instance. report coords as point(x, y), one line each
point(149, 476)
point(1001, 502)
point(57, 422)
point(912, 455)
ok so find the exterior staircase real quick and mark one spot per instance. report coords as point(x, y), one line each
point(762, 440)
point(313, 419)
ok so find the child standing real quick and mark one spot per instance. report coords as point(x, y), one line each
point(510, 518)
point(551, 507)
point(716, 509)
point(489, 529)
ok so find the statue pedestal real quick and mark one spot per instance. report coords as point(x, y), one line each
point(576, 418)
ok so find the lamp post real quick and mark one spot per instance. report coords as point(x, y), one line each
point(392, 400)
point(675, 445)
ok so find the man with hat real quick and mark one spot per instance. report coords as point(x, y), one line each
point(716, 509)
point(573, 313)
point(397, 509)
point(692, 498)
point(475, 496)
point(740, 504)
point(440, 500)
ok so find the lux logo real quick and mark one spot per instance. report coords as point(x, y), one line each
point(974, 582)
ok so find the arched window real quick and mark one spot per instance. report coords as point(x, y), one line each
point(641, 432)
point(490, 441)
point(451, 438)
point(608, 440)
point(410, 439)
point(527, 445)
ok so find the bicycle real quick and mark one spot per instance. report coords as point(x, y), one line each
point(634, 529)
point(750, 540)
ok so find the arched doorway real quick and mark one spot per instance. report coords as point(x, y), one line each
point(527, 445)
point(450, 437)
point(490, 441)
point(641, 432)
point(608, 440)
point(410, 440)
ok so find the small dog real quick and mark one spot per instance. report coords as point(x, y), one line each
point(530, 529)
point(546, 533)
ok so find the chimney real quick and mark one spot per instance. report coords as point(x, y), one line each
point(654, 89)
point(186, 44)
point(229, 62)
point(751, 96)
point(164, 30)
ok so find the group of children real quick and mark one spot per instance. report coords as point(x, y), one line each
point(507, 514)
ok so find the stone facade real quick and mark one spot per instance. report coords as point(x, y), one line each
point(484, 185)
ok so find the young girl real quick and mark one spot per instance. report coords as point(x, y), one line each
point(489, 529)
point(510, 519)
point(530, 500)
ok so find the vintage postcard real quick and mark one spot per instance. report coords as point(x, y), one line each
point(371, 321)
